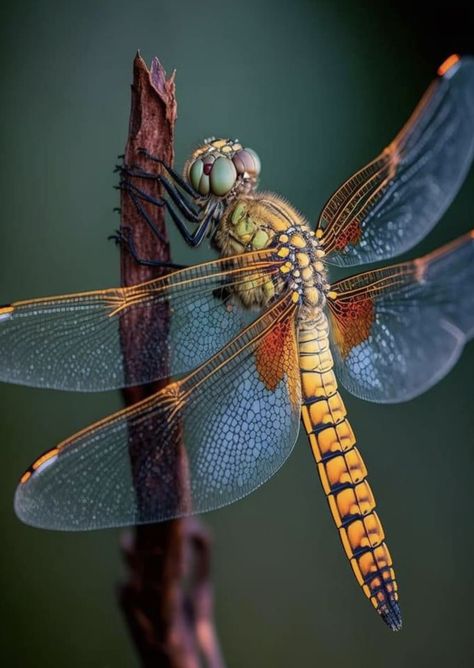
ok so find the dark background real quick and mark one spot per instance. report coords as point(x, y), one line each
point(317, 88)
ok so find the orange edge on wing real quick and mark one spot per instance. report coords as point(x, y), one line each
point(5, 311)
point(392, 154)
point(448, 64)
point(45, 457)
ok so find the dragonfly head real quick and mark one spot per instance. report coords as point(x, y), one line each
point(222, 168)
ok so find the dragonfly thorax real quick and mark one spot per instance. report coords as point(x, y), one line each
point(264, 220)
point(303, 266)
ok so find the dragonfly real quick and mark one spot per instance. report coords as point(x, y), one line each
point(257, 339)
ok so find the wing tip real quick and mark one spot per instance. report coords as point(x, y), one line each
point(20, 502)
point(450, 66)
point(6, 312)
point(46, 459)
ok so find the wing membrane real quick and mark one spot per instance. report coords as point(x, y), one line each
point(198, 444)
point(398, 330)
point(74, 342)
point(395, 200)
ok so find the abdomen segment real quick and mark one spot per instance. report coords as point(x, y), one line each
point(343, 475)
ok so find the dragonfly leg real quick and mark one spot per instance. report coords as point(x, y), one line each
point(136, 199)
point(191, 211)
point(191, 238)
point(174, 176)
point(188, 209)
point(124, 237)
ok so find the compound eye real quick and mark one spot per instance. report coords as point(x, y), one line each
point(195, 173)
point(223, 176)
point(199, 174)
point(248, 161)
point(256, 161)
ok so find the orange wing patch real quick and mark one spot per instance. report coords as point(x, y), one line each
point(275, 357)
point(352, 321)
point(348, 236)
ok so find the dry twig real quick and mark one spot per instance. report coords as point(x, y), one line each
point(167, 601)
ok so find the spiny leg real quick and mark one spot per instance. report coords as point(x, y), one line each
point(187, 209)
point(169, 183)
point(124, 237)
point(137, 195)
point(174, 175)
point(192, 239)
point(136, 199)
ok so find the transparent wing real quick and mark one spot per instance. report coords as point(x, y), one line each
point(199, 444)
point(74, 342)
point(398, 330)
point(395, 200)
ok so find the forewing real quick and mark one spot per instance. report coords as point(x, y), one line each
point(395, 200)
point(74, 342)
point(199, 444)
point(396, 331)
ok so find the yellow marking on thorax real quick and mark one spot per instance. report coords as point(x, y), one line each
point(303, 260)
point(248, 223)
point(285, 268)
point(297, 241)
point(283, 252)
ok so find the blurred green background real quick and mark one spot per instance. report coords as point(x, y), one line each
point(317, 88)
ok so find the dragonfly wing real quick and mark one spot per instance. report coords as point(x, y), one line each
point(396, 331)
point(395, 200)
point(74, 342)
point(200, 443)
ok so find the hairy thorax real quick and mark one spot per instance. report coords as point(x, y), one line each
point(264, 220)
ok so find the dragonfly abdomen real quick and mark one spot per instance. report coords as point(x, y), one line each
point(343, 473)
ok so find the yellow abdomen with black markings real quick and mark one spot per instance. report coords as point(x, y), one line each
point(343, 473)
